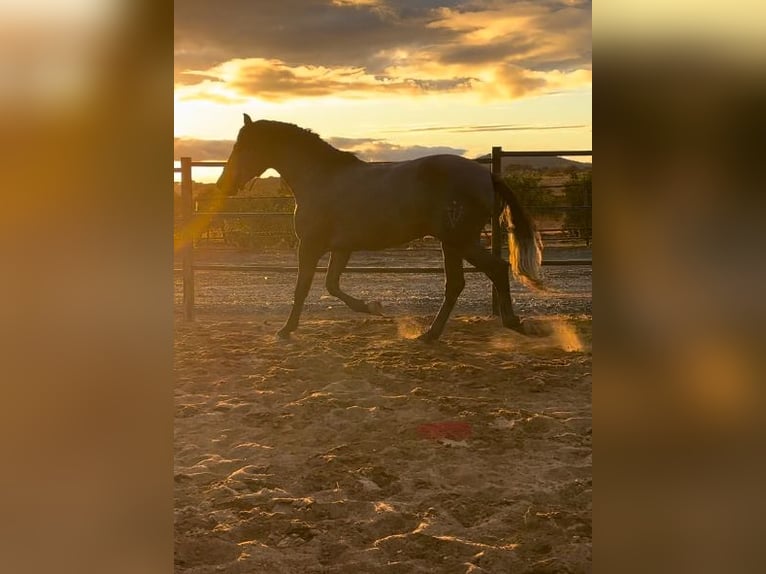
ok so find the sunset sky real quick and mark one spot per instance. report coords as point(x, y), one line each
point(386, 79)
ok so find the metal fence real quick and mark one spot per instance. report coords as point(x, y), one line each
point(194, 222)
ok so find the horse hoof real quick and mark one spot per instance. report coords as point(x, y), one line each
point(427, 337)
point(283, 334)
point(375, 308)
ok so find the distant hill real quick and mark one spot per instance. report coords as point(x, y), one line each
point(540, 162)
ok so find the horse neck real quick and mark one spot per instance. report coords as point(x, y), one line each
point(302, 167)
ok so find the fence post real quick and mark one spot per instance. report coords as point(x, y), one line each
point(497, 169)
point(586, 201)
point(187, 212)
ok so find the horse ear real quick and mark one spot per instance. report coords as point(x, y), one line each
point(248, 120)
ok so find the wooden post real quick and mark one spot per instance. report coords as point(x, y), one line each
point(586, 200)
point(187, 211)
point(497, 235)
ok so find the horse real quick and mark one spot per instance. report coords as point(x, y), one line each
point(344, 204)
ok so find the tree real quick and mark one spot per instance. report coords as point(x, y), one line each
point(538, 199)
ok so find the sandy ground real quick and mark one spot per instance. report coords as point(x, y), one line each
point(355, 448)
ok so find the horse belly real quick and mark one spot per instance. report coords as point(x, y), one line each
point(379, 230)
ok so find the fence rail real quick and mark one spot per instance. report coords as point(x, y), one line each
point(188, 214)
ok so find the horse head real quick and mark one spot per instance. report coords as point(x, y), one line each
point(248, 159)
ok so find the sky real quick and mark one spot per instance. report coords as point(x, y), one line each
point(385, 79)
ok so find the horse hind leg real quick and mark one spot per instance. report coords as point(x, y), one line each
point(497, 271)
point(338, 261)
point(454, 284)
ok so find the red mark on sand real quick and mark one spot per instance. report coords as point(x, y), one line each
point(452, 430)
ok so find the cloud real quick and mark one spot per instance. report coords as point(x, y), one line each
point(313, 48)
point(490, 128)
point(368, 149)
point(297, 32)
point(379, 150)
point(202, 150)
point(538, 36)
point(274, 80)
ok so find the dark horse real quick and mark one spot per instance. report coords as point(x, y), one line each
point(343, 204)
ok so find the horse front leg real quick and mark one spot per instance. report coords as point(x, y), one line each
point(338, 262)
point(308, 257)
point(454, 284)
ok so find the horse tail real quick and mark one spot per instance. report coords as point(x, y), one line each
point(525, 247)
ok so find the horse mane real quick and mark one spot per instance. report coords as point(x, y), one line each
point(295, 136)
